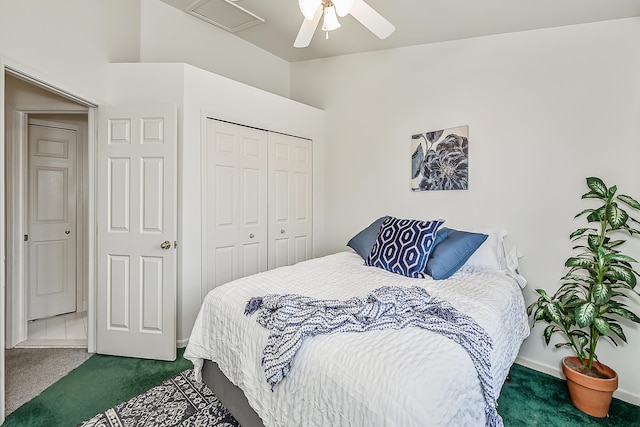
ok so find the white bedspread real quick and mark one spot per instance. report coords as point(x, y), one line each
point(408, 377)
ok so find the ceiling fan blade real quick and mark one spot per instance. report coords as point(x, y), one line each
point(307, 29)
point(371, 19)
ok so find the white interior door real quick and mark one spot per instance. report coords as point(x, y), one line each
point(236, 201)
point(51, 221)
point(290, 199)
point(136, 255)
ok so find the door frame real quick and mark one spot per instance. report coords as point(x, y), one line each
point(34, 78)
point(18, 129)
point(17, 219)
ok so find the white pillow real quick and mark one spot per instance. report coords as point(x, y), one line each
point(497, 253)
point(490, 255)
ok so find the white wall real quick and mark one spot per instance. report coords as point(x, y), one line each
point(171, 35)
point(68, 43)
point(545, 110)
point(198, 94)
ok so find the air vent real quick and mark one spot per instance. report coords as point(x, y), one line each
point(225, 14)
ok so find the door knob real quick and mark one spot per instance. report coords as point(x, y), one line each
point(67, 231)
point(165, 245)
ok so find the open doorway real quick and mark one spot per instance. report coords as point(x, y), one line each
point(46, 209)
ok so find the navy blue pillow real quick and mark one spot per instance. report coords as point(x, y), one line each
point(403, 246)
point(364, 240)
point(451, 254)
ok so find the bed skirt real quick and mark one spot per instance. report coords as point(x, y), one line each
point(231, 396)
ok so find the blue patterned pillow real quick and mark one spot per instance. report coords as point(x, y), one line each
point(403, 246)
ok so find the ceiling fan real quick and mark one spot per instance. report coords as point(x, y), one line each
point(313, 10)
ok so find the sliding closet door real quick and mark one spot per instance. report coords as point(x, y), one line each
point(236, 202)
point(290, 200)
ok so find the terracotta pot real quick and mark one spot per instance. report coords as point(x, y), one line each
point(591, 395)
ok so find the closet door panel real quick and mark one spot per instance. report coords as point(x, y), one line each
point(236, 202)
point(279, 253)
point(252, 234)
point(290, 203)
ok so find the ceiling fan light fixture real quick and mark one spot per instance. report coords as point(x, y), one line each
point(330, 21)
point(343, 7)
point(309, 7)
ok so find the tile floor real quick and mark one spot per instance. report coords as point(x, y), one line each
point(67, 330)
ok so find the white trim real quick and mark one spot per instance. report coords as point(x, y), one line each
point(92, 141)
point(16, 312)
point(35, 78)
point(621, 394)
point(24, 72)
point(204, 270)
point(182, 343)
point(3, 239)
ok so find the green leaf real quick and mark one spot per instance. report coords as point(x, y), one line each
point(583, 340)
point(601, 293)
point(619, 257)
point(591, 195)
point(624, 274)
point(615, 243)
point(580, 231)
point(597, 186)
point(601, 325)
point(563, 344)
point(548, 331)
point(596, 216)
point(630, 201)
point(585, 314)
point(539, 314)
point(615, 216)
point(592, 240)
point(578, 262)
point(573, 302)
point(554, 313)
point(612, 191)
point(623, 312)
point(542, 292)
point(579, 333)
point(579, 278)
point(617, 329)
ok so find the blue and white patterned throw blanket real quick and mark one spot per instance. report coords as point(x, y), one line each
point(292, 318)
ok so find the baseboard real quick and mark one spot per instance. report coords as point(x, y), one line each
point(621, 394)
point(182, 343)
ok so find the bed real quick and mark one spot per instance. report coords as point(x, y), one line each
point(404, 377)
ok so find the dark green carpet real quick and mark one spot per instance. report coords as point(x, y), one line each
point(93, 387)
point(536, 399)
point(530, 399)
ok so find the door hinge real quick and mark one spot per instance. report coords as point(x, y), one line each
point(26, 237)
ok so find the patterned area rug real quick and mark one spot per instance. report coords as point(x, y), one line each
point(179, 401)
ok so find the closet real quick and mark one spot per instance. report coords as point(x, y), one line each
point(258, 201)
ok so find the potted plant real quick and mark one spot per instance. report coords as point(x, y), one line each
point(591, 298)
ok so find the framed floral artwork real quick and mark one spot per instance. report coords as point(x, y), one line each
point(440, 160)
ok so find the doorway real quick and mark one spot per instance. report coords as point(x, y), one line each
point(44, 232)
point(24, 95)
point(55, 292)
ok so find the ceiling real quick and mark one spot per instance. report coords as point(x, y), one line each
point(416, 21)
